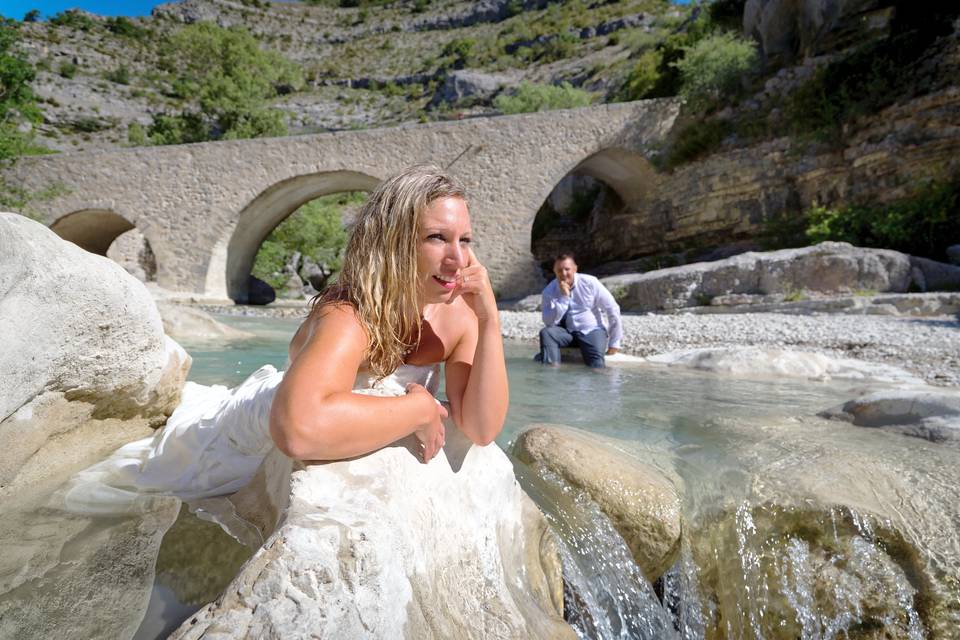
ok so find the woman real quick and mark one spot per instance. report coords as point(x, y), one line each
point(411, 294)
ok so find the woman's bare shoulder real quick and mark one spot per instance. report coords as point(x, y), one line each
point(335, 320)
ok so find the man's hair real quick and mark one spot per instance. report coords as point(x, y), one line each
point(565, 256)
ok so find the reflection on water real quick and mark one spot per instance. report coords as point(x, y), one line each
point(794, 527)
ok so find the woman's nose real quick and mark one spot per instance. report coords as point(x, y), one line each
point(456, 255)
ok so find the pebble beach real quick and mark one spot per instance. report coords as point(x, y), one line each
point(928, 347)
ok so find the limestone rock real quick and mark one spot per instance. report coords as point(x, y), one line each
point(766, 362)
point(953, 254)
point(641, 503)
point(528, 303)
point(463, 84)
point(187, 323)
point(82, 340)
point(790, 27)
point(826, 268)
point(928, 414)
point(384, 546)
point(935, 276)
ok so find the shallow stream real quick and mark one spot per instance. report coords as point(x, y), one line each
point(794, 526)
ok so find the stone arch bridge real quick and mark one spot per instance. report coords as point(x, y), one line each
point(205, 208)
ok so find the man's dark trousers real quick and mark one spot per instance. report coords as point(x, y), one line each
point(592, 345)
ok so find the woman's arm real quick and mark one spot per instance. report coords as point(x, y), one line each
point(476, 373)
point(315, 415)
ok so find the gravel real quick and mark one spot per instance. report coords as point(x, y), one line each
point(928, 347)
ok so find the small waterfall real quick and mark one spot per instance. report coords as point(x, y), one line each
point(605, 594)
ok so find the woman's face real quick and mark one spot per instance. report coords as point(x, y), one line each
point(444, 238)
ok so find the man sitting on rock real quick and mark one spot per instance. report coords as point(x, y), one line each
point(571, 313)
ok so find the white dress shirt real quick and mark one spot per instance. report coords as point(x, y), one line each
point(587, 297)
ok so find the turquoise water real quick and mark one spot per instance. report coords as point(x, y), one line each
point(757, 472)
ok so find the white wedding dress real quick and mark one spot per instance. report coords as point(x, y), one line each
point(212, 444)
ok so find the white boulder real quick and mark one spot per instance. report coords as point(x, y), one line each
point(82, 341)
point(765, 362)
point(190, 324)
point(385, 547)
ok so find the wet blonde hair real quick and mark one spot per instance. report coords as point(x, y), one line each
point(379, 273)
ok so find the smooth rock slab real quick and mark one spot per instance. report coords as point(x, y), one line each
point(931, 415)
point(641, 503)
point(385, 547)
point(187, 323)
point(765, 362)
point(81, 339)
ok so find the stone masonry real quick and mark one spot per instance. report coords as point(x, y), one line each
point(205, 208)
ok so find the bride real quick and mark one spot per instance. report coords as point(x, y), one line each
point(363, 365)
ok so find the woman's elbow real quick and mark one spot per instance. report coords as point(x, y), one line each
point(292, 439)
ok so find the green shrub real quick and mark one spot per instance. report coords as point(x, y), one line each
point(32, 16)
point(125, 27)
point(923, 224)
point(697, 139)
point(531, 97)
point(120, 75)
point(17, 101)
point(73, 19)
point(230, 78)
point(456, 54)
point(644, 76)
point(136, 136)
point(714, 67)
point(67, 69)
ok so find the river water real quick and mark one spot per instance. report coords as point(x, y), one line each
point(794, 526)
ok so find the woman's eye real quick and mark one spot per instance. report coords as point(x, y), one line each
point(435, 236)
point(465, 240)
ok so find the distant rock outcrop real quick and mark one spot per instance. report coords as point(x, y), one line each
point(829, 268)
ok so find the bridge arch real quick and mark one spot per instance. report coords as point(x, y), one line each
point(578, 213)
point(233, 256)
point(92, 229)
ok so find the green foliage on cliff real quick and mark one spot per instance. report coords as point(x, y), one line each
point(315, 230)
point(230, 79)
point(17, 102)
point(531, 97)
point(715, 67)
point(924, 224)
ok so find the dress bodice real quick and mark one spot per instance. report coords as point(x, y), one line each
point(395, 384)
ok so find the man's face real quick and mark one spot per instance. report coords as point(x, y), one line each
point(564, 270)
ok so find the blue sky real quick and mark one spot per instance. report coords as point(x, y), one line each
point(16, 8)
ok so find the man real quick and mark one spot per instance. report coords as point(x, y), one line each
point(571, 313)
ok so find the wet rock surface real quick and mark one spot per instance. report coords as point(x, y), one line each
point(928, 414)
point(639, 500)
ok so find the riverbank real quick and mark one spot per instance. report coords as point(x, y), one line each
point(927, 347)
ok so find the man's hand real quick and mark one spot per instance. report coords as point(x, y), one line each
point(564, 288)
point(612, 350)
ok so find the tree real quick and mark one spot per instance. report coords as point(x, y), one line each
point(231, 81)
point(32, 16)
point(17, 102)
point(714, 66)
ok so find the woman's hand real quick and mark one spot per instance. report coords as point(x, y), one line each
point(474, 285)
point(431, 433)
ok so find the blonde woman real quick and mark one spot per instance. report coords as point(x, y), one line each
point(411, 294)
point(363, 366)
